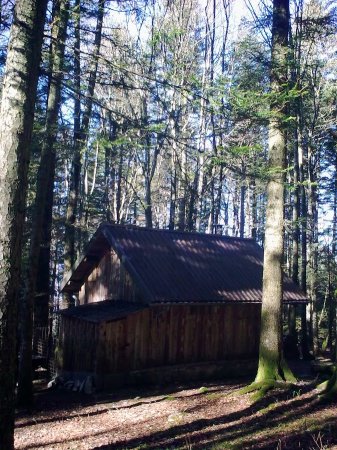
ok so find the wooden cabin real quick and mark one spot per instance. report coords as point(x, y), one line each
point(156, 305)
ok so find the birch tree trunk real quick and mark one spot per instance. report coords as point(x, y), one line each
point(17, 112)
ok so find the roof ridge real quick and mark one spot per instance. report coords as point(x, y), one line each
point(189, 233)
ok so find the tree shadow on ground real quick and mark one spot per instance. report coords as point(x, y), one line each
point(280, 417)
point(254, 427)
point(62, 400)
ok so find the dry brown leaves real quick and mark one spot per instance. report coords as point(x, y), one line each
point(213, 416)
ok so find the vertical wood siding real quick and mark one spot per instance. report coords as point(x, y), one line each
point(157, 336)
point(167, 335)
point(108, 280)
point(79, 344)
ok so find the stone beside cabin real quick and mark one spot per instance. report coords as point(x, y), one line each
point(156, 305)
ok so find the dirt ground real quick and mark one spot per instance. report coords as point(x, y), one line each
point(196, 416)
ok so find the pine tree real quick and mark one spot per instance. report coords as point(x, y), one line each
point(272, 367)
point(17, 112)
point(41, 221)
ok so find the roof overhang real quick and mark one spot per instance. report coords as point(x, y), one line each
point(104, 311)
point(74, 278)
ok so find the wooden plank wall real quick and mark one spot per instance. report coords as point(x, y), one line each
point(109, 280)
point(78, 341)
point(167, 335)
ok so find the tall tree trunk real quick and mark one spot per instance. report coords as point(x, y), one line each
point(148, 202)
point(42, 211)
point(82, 235)
point(271, 363)
point(200, 189)
point(149, 166)
point(173, 198)
point(334, 223)
point(254, 210)
point(71, 214)
point(202, 131)
point(304, 259)
point(210, 222)
point(108, 170)
point(118, 185)
point(17, 112)
point(218, 197)
point(295, 234)
point(242, 204)
point(181, 223)
point(236, 203)
point(174, 177)
point(332, 302)
point(75, 209)
point(191, 216)
point(313, 246)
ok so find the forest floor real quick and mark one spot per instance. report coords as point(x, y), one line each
point(195, 416)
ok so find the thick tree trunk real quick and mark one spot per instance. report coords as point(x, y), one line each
point(17, 112)
point(271, 364)
point(42, 211)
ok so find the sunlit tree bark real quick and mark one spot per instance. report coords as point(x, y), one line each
point(17, 112)
point(271, 364)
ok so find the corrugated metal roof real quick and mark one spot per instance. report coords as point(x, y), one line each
point(179, 267)
point(104, 311)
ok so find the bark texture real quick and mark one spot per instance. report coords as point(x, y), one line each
point(42, 210)
point(17, 112)
point(271, 365)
